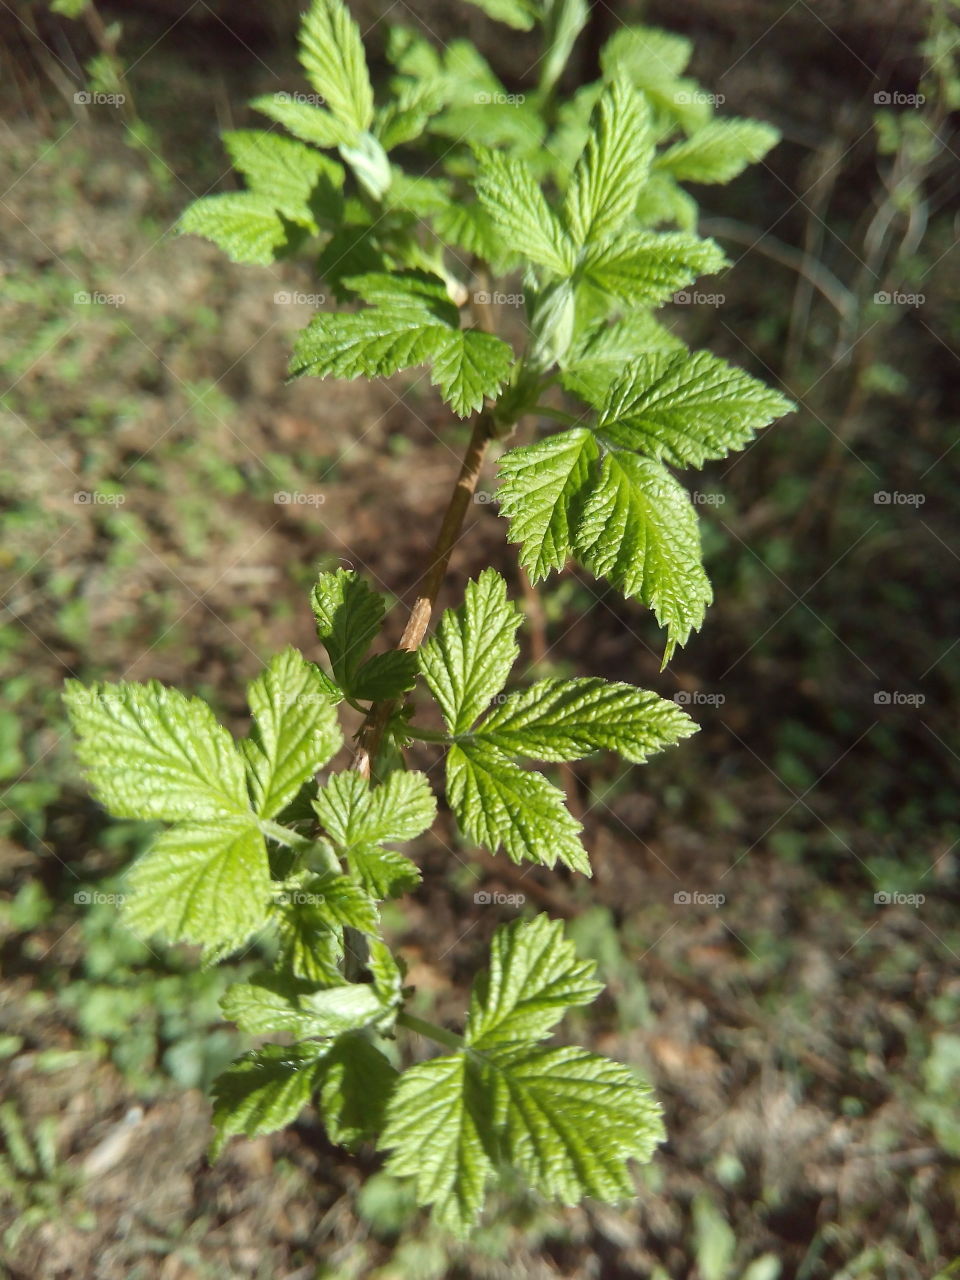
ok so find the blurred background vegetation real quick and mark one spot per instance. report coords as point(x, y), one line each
point(805, 1034)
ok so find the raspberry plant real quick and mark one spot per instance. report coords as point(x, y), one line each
point(582, 197)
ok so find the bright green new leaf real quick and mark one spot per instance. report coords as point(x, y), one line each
point(567, 719)
point(611, 172)
point(360, 820)
point(686, 408)
point(521, 215)
point(349, 614)
point(152, 752)
point(413, 322)
point(648, 55)
point(498, 804)
point(206, 883)
point(355, 1087)
point(650, 266)
point(244, 224)
point(599, 358)
point(305, 121)
point(296, 730)
point(639, 530)
point(341, 901)
point(276, 1003)
point(542, 490)
point(566, 1119)
point(535, 976)
point(719, 151)
point(331, 53)
point(283, 171)
point(521, 14)
point(467, 661)
point(264, 1091)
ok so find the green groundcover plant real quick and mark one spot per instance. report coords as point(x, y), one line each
point(579, 200)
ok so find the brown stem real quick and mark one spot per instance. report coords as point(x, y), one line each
point(374, 726)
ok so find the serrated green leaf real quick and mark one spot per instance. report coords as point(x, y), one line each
point(598, 359)
point(282, 171)
point(274, 1003)
point(467, 661)
point(611, 172)
point(498, 804)
point(567, 1119)
point(686, 408)
point(152, 752)
point(405, 117)
point(244, 224)
point(521, 215)
point(662, 201)
point(305, 121)
point(535, 976)
point(412, 323)
point(650, 266)
point(202, 882)
point(647, 54)
point(309, 947)
point(719, 151)
point(567, 719)
point(360, 820)
point(356, 1082)
point(296, 730)
point(349, 614)
point(331, 53)
point(343, 902)
point(639, 530)
point(263, 1091)
point(542, 490)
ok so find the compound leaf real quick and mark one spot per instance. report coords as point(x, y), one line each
point(521, 215)
point(686, 408)
point(331, 53)
point(296, 730)
point(152, 752)
point(719, 150)
point(610, 173)
point(498, 804)
point(542, 489)
point(202, 882)
point(639, 530)
point(567, 719)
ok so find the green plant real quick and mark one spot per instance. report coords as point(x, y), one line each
point(569, 193)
